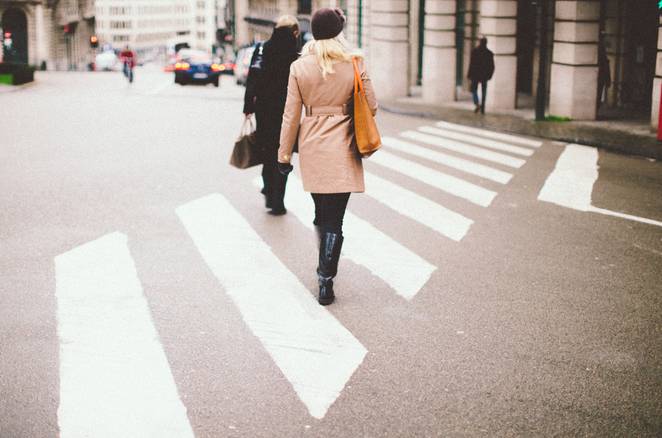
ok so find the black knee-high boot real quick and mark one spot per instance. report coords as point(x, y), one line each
point(329, 254)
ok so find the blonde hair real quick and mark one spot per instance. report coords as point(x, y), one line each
point(288, 21)
point(329, 52)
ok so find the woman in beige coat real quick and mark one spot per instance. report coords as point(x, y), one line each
point(321, 85)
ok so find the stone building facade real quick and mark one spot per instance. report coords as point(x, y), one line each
point(51, 33)
point(423, 46)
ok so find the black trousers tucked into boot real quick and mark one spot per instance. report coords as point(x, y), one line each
point(329, 213)
point(274, 185)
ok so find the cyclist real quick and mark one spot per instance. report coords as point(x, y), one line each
point(128, 58)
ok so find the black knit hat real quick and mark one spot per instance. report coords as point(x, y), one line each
point(327, 23)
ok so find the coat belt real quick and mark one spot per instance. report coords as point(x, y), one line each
point(326, 110)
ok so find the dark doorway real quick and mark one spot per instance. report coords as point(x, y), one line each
point(526, 45)
point(15, 36)
point(640, 55)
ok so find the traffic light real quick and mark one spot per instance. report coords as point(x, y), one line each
point(94, 41)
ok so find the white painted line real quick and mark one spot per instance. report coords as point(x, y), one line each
point(314, 351)
point(465, 149)
point(571, 183)
point(447, 183)
point(485, 142)
point(496, 135)
point(630, 217)
point(365, 245)
point(448, 160)
point(115, 380)
point(440, 219)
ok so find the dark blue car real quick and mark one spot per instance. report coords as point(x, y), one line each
point(194, 66)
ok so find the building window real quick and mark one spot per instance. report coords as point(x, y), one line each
point(304, 6)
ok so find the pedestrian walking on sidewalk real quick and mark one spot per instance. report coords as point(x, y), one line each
point(481, 69)
point(322, 82)
point(266, 92)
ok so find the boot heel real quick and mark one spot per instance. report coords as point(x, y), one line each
point(326, 295)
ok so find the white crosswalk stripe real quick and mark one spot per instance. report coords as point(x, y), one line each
point(314, 351)
point(466, 166)
point(365, 245)
point(115, 380)
point(472, 139)
point(442, 220)
point(491, 134)
point(465, 149)
point(446, 183)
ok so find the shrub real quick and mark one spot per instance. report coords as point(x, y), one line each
point(16, 74)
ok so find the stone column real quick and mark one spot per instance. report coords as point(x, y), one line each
point(657, 82)
point(43, 36)
point(498, 23)
point(439, 51)
point(574, 82)
point(389, 48)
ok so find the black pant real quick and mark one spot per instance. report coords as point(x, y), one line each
point(330, 210)
point(274, 184)
point(483, 95)
point(268, 134)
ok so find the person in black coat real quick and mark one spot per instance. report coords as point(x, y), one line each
point(481, 69)
point(266, 92)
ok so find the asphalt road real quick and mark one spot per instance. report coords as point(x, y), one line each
point(536, 319)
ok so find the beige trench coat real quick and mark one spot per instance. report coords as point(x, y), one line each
point(328, 157)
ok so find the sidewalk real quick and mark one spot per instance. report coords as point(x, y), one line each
point(4, 88)
point(622, 136)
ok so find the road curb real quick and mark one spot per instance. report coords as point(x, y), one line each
point(608, 139)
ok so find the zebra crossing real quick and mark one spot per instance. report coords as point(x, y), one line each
point(105, 327)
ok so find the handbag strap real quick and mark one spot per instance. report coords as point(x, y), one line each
point(247, 127)
point(358, 83)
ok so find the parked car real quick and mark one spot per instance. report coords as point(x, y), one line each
point(195, 66)
point(243, 63)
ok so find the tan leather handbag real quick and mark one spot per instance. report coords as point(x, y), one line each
point(365, 128)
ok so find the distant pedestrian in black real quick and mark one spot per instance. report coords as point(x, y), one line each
point(481, 69)
point(604, 73)
point(266, 92)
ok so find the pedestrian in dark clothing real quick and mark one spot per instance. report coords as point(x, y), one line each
point(604, 73)
point(481, 69)
point(266, 92)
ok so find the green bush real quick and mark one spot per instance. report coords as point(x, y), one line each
point(16, 74)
